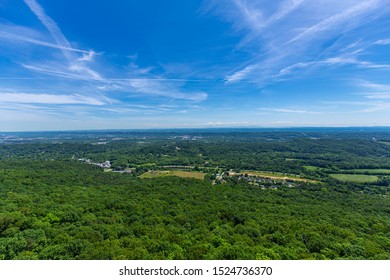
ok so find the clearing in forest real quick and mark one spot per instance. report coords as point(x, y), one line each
point(162, 173)
point(355, 178)
point(274, 176)
point(369, 171)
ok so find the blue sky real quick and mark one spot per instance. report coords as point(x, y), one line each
point(175, 64)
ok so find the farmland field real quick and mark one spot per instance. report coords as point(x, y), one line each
point(277, 176)
point(369, 171)
point(183, 174)
point(355, 178)
point(311, 168)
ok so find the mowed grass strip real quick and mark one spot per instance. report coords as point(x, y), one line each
point(369, 171)
point(277, 176)
point(355, 178)
point(162, 173)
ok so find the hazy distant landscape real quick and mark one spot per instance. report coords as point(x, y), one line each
point(196, 194)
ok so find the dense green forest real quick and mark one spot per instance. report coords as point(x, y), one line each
point(57, 200)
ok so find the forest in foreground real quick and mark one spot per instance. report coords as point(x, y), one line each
point(260, 195)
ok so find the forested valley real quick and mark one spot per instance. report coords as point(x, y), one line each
point(196, 194)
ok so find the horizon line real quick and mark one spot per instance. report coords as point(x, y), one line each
point(200, 128)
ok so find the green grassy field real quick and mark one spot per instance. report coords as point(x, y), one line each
point(316, 168)
point(355, 178)
point(370, 171)
point(184, 174)
point(311, 168)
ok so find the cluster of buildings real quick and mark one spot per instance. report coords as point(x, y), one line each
point(267, 182)
point(105, 165)
point(261, 181)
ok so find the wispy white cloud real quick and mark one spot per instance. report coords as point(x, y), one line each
point(28, 39)
point(285, 110)
point(63, 72)
point(285, 9)
point(345, 16)
point(44, 98)
point(363, 106)
point(136, 70)
point(331, 61)
point(376, 107)
point(293, 111)
point(88, 56)
point(378, 95)
point(78, 67)
point(252, 16)
point(374, 91)
point(139, 80)
point(75, 66)
point(50, 24)
point(289, 35)
point(224, 123)
point(166, 89)
point(375, 96)
point(240, 75)
point(156, 86)
point(374, 86)
point(86, 71)
point(383, 42)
